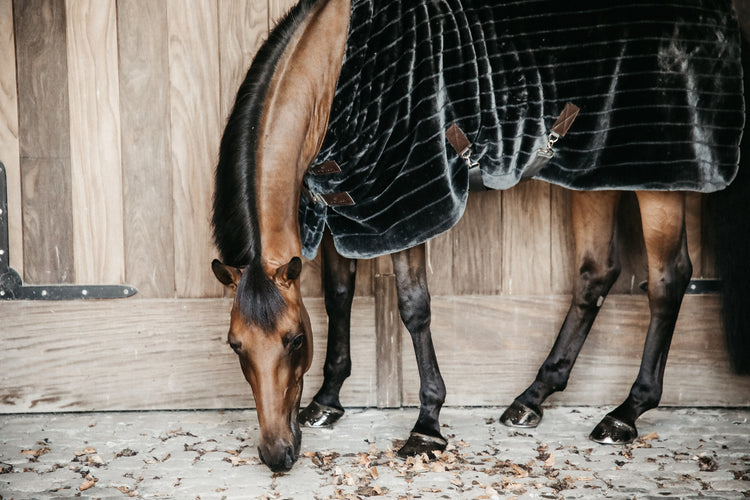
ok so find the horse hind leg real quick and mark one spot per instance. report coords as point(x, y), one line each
point(414, 306)
point(669, 271)
point(338, 282)
point(594, 216)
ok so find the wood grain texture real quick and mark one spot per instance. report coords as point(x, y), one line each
point(562, 242)
point(146, 146)
point(478, 245)
point(388, 333)
point(10, 154)
point(490, 348)
point(439, 255)
point(95, 149)
point(44, 141)
point(526, 238)
point(196, 130)
point(156, 354)
point(709, 213)
point(243, 26)
point(277, 9)
point(148, 354)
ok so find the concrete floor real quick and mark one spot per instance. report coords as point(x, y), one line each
point(683, 453)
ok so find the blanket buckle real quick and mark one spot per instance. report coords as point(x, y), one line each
point(559, 129)
point(461, 144)
point(342, 199)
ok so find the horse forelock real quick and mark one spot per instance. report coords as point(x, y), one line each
point(260, 302)
point(235, 216)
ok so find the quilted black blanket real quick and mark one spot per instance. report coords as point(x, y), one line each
point(659, 85)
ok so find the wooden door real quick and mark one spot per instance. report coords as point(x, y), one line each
point(109, 131)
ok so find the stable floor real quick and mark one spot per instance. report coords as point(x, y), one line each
point(682, 453)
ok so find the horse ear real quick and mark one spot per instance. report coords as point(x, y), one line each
point(227, 275)
point(288, 273)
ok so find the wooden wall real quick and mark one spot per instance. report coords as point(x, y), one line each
point(109, 131)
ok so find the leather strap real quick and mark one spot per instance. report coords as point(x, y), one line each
point(325, 168)
point(565, 120)
point(342, 199)
point(457, 139)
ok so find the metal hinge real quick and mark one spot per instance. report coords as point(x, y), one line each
point(12, 287)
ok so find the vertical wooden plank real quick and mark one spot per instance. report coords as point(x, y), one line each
point(439, 254)
point(95, 141)
point(277, 9)
point(693, 204)
point(478, 246)
point(10, 154)
point(194, 98)
point(708, 237)
point(388, 334)
point(365, 282)
point(44, 140)
point(311, 283)
point(147, 169)
point(243, 26)
point(562, 251)
point(526, 238)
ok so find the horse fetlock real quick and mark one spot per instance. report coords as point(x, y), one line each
point(641, 399)
point(338, 369)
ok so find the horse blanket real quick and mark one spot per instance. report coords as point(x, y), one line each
point(658, 84)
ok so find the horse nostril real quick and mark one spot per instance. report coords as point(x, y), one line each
point(262, 458)
point(279, 463)
point(289, 458)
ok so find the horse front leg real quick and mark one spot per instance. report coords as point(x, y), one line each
point(338, 283)
point(414, 306)
point(669, 271)
point(598, 267)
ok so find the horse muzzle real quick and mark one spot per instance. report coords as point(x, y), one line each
point(279, 454)
point(278, 458)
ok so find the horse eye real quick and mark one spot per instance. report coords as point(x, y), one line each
point(236, 346)
point(296, 342)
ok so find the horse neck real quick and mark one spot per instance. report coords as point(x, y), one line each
point(293, 124)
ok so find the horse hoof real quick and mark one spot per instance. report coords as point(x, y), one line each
point(520, 415)
point(419, 443)
point(613, 431)
point(318, 415)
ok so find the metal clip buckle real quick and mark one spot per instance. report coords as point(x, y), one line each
point(551, 140)
point(466, 155)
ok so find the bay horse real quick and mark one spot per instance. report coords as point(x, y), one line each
point(280, 125)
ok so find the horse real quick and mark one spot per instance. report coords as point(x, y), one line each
point(271, 207)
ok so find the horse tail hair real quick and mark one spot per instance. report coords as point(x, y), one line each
point(732, 226)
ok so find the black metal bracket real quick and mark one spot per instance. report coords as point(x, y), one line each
point(698, 286)
point(12, 287)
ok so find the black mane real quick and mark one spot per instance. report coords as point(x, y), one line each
point(235, 214)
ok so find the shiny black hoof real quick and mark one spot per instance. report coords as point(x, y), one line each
point(613, 431)
point(520, 415)
point(419, 443)
point(318, 415)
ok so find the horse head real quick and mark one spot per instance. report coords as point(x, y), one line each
point(270, 332)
